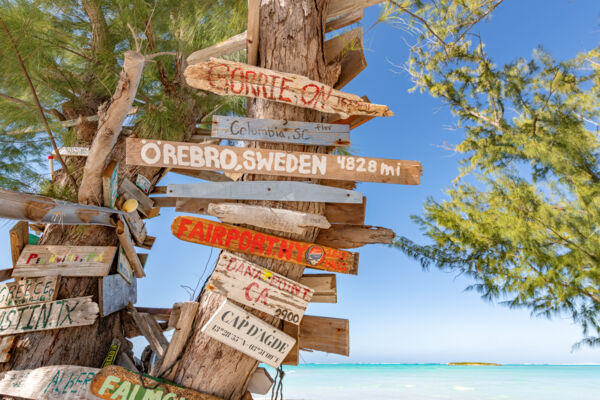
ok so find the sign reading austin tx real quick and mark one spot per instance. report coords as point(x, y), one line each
point(268, 130)
point(255, 286)
point(157, 153)
point(235, 238)
point(66, 313)
point(251, 335)
point(39, 260)
point(236, 79)
point(28, 291)
point(65, 382)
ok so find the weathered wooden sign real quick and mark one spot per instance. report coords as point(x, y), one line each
point(72, 151)
point(33, 208)
point(127, 245)
point(49, 383)
point(251, 335)
point(19, 238)
point(261, 382)
point(338, 8)
point(252, 285)
point(44, 316)
point(110, 184)
point(210, 233)
point(137, 227)
point(231, 78)
point(347, 50)
point(157, 153)
point(113, 352)
point(266, 217)
point(324, 286)
point(40, 260)
point(115, 382)
point(143, 183)
point(28, 291)
point(115, 294)
point(123, 266)
point(352, 236)
point(130, 191)
point(265, 190)
point(268, 130)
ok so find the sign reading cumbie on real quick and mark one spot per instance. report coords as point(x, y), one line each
point(157, 153)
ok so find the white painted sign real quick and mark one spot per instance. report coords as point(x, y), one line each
point(257, 287)
point(72, 151)
point(28, 291)
point(243, 331)
point(143, 183)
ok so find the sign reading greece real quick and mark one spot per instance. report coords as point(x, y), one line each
point(158, 153)
point(251, 335)
point(66, 313)
point(235, 238)
point(255, 286)
point(28, 291)
point(268, 130)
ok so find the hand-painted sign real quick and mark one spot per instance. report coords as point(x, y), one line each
point(53, 315)
point(110, 184)
point(28, 291)
point(54, 382)
point(157, 153)
point(123, 266)
point(73, 151)
point(143, 183)
point(115, 382)
point(251, 335)
point(257, 287)
point(113, 352)
point(40, 260)
point(231, 78)
point(265, 190)
point(235, 238)
point(268, 130)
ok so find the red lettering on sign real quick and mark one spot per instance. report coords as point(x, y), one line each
point(218, 234)
point(248, 237)
point(232, 234)
point(197, 231)
point(257, 243)
point(301, 249)
point(285, 249)
point(233, 80)
point(210, 71)
point(31, 257)
point(283, 87)
point(304, 90)
point(272, 240)
point(249, 83)
point(184, 222)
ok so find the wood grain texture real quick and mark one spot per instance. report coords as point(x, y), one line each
point(52, 315)
point(340, 7)
point(129, 190)
point(353, 236)
point(228, 46)
point(40, 260)
point(266, 217)
point(293, 357)
point(229, 237)
point(231, 78)
point(347, 50)
point(115, 293)
point(344, 20)
point(278, 131)
point(123, 267)
point(113, 353)
point(19, 238)
point(157, 153)
point(5, 274)
point(110, 184)
point(261, 382)
point(252, 285)
point(137, 228)
point(324, 286)
point(6, 344)
point(252, 37)
point(28, 291)
point(64, 382)
point(354, 121)
point(330, 335)
point(127, 244)
point(248, 334)
point(211, 176)
point(151, 331)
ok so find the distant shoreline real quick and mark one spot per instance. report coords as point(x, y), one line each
point(476, 364)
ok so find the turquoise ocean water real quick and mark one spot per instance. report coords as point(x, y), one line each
point(434, 381)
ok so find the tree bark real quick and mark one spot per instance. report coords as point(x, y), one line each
point(291, 40)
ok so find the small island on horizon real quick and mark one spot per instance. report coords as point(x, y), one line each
point(483, 364)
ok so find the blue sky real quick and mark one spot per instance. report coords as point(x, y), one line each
point(398, 312)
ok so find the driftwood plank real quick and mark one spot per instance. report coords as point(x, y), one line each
point(113, 353)
point(123, 267)
point(41, 260)
point(252, 32)
point(115, 294)
point(159, 314)
point(267, 217)
point(151, 331)
point(6, 343)
point(127, 244)
point(231, 45)
point(353, 236)
point(340, 7)
point(110, 184)
point(64, 382)
point(231, 78)
point(339, 213)
point(344, 20)
point(324, 286)
point(252, 285)
point(157, 153)
point(269, 130)
point(19, 238)
point(5, 274)
point(136, 226)
point(204, 175)
point(252, 336)
point(293, 357)
point(53, 315)
point(347, 49)
point(354, 121)
point(33, 208)
point(330, 335)
point(28, 291)
point(234, 238)
point(130, 191)
point(261, 382)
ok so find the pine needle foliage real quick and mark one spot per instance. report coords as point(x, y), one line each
point(523, 217)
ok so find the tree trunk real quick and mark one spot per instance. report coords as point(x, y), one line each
point(291, 40)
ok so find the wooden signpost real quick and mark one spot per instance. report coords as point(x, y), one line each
point(143, 183)
point(347, 50)
point(19, 238)
point(56, 382)
point(53, 315)
point(28, 291)
point(123, 266)
point(265, 190)
point(324, 286)
point(110, 184)
point(353, 236)
point(113, 352)
point(252, 285)
point(115, 294)
point(130, 191)
point(33, 208)
point(72, 151)
point(157, 153)
point(210, 233)
point(39, 260)
point(261, 382)
point(127, 245)
point(251, 335)
point(268, 130)
point(231, 78)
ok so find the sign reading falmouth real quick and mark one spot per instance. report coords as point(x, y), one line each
point(257, 287)
point(251, 335)
point(231, 78)
point(268, 130)
point(157, 153)
point(235, 238)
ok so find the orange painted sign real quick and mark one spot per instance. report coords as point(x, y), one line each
point(235, 238)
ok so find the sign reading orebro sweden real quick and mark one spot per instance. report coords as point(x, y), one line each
point(235, 238)
point(157, 153)
point(241, 330)
point(257, 287)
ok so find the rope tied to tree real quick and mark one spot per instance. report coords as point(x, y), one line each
point(277, 389)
